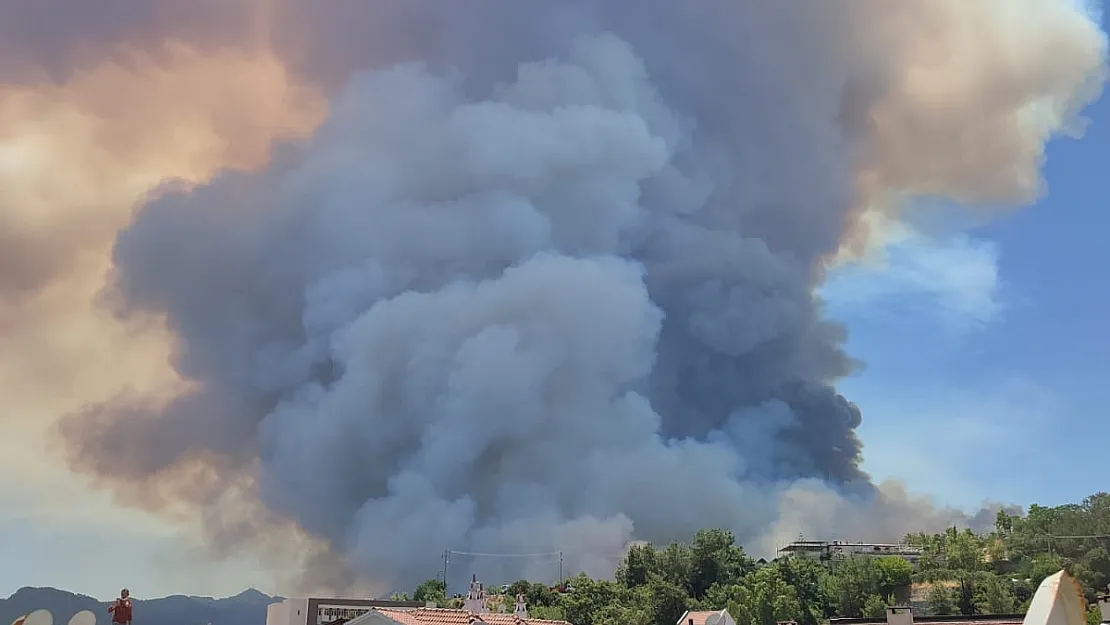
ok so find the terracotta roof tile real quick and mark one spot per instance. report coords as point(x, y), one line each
point(698, 617)
point(446, 616)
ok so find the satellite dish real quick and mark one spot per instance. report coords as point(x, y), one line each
point(19, 621)
point(84, 617)
point(39, 617)
point(713, 619)
point(1058, 601)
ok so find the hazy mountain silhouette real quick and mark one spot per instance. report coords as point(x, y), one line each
point(245, 608)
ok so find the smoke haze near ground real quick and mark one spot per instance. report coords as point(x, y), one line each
point(544, 277)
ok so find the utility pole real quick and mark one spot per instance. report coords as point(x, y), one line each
point(560, 568)
point(446, 561)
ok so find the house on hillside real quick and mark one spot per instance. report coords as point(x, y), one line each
point(444, 616)
point(707, 617)
point(475, 611)
point(825, 550)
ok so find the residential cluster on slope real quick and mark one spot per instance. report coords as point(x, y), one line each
point(475, 611)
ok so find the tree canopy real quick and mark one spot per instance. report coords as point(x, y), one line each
point(959, 572)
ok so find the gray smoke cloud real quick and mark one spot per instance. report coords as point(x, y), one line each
point(544, 279)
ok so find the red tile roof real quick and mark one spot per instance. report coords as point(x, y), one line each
point(445, 616)
point(698, 617)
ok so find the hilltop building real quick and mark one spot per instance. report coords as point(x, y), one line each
point(827, 550)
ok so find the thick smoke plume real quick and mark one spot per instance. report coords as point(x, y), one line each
point(544, 279)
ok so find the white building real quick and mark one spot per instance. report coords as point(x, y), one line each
point(320, 610)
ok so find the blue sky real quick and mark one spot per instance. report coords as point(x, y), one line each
point(986, 352)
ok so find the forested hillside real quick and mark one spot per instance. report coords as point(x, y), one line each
point(961, 573)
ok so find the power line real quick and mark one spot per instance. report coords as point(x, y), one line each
point(447, 553)
point(506, 555)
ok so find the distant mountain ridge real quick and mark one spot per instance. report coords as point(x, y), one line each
point(245, 608)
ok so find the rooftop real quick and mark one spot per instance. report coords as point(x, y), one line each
point(446, 616)
point(699, 617)
point(957, 619)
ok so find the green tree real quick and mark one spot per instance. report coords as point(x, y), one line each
point(1094, 615)
point(547, 612)
point(716, 558)
point(676, 565)
point(431, 590)
point(667, 601)
point(854, 580)
point(932, 550)
point(963, 550)
point(940, 600)
point(518, 587)
point(965, 592)
point(874, 607)
point(588, 599)
point(540, 595)
point(809, 579)
point(895, 574)
point(994, 596)
point(639, 564)
point(764, 598)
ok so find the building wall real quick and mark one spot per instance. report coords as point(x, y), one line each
point(833, 549)
point(317, 611)
point(288, 612)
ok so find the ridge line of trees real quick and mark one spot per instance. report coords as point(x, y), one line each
point(959, 572)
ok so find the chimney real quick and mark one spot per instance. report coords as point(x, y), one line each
point(899, 615)
point(475, 597)
point(1104, 606)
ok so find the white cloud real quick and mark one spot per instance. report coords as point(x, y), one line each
point(953, 278)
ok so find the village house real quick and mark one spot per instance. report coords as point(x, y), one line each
point(707, 617)
point(475, 611)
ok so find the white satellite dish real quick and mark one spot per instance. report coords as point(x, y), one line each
point(1058, 601)
point(84, 617)
point(39, 617)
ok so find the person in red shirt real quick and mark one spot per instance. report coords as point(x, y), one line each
point(121, 609)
